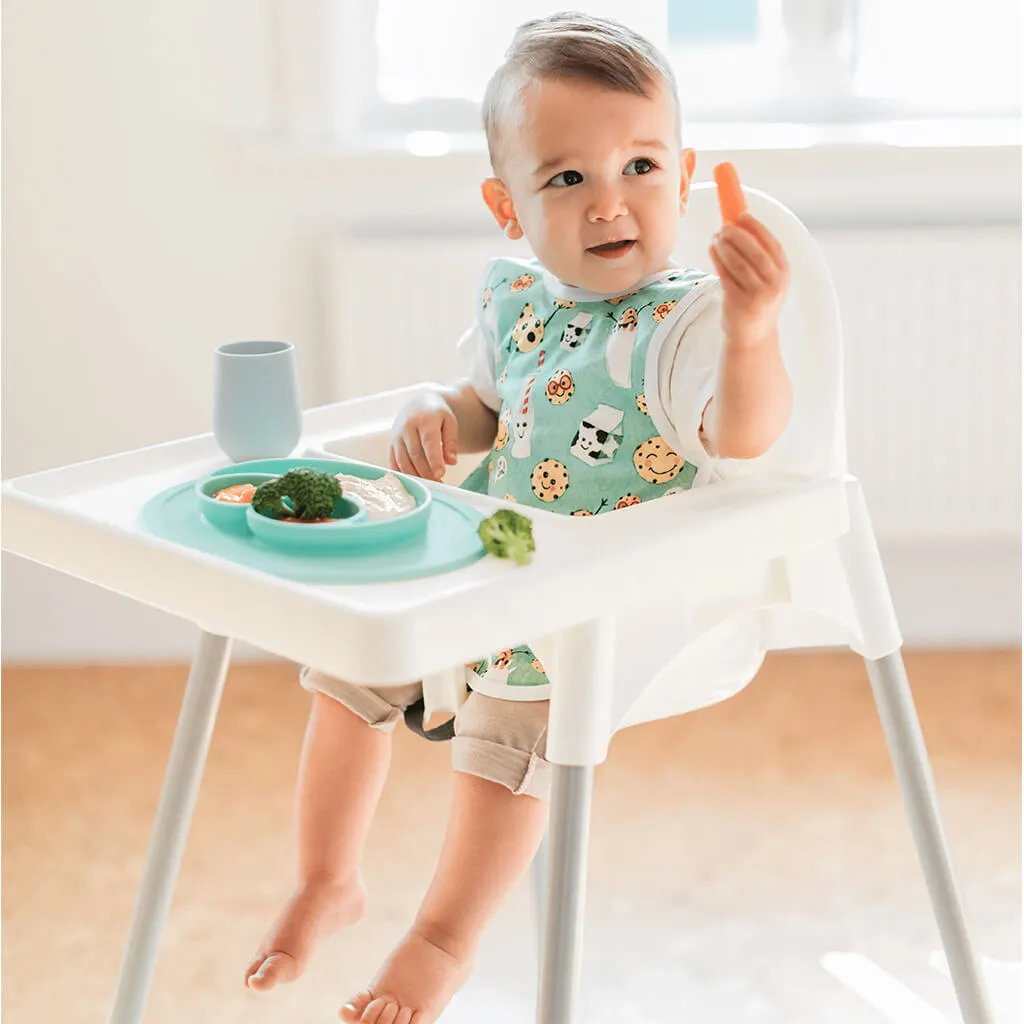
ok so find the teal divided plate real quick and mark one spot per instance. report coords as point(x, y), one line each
point(448, 542)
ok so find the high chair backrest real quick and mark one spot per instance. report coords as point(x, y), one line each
point(814, 442)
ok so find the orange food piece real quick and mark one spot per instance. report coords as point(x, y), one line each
point(308, 522)
point(731, 200)
point(239, 494)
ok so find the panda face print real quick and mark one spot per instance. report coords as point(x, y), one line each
point(576, 330)
point(592, 440)
point(598, 436)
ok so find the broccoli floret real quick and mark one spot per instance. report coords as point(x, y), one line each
point(507, 534)
point(311, 494)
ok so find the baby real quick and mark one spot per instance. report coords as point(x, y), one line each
point(597, 376)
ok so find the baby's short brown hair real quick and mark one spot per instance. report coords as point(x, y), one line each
point(575, 46)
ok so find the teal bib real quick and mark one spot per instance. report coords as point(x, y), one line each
point(574, 434)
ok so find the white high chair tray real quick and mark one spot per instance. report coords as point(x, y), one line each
point(83, 520)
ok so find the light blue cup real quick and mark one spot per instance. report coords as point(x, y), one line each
point(257, 410)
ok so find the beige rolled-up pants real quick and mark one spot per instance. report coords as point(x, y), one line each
point(500, 740)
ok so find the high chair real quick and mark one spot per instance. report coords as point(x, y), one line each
point(780, 554)
point(747, 590)
point(752, 591)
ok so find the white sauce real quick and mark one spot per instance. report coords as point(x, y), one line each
point(384, 498)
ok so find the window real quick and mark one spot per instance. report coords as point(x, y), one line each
point(410, 73)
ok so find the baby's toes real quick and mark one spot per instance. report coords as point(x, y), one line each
point(389, 1014)
point(276, 967)
point(353, 1009)
point(253, 967)
point(379, 1012)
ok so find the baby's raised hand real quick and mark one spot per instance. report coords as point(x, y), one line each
point(424, 438)
point(755, 274)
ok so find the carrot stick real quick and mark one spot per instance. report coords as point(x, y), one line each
point(730, 193)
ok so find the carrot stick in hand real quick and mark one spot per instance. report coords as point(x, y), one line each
point(731, 200)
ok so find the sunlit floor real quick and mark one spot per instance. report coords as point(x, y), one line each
point(749, 862)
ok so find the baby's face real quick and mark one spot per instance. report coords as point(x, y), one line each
point(597, 181)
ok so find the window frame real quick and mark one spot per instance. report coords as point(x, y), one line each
point(340, 35)
point(283, 111)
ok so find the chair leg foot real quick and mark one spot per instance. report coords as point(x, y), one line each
point(170, 827)
point(562, 943)
point(913, 772)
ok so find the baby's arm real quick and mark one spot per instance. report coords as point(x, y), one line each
point(441, 422)
point(432, 429)
point(478, 423)
point(752, 393)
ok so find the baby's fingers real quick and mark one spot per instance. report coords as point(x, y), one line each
point(728, 281)
point(768, 241)
point(450, 438)
point(407, 455)
point(740, 269)
point(417, 456)
point(430, 441)
point(398, 457)
point(744, 245)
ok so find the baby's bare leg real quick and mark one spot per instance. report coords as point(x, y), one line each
point(341, 774)
point(491, 839)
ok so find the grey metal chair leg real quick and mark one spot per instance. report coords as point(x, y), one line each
point(171, 825)
point(913, 771)
point(562, 945)
point(539, 872)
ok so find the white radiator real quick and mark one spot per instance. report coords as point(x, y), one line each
point(932, 326)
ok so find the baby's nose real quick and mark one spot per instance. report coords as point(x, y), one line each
point(607, 204)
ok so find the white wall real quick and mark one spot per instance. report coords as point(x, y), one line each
point(138, 236)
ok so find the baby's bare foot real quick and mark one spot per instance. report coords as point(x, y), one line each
point(415, 983)
point(314, 911)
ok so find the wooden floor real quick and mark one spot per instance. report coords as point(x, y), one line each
point(733, 849)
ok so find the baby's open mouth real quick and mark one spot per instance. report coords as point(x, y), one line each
point(611, 250)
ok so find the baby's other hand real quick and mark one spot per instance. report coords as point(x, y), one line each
point(424, 438)
point(754, 274)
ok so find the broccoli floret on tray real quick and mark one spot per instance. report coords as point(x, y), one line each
point(507, 534)
point(312, 495)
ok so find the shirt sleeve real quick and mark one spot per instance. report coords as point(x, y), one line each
point(475, 353)
point(687, 364)
point(477, 349)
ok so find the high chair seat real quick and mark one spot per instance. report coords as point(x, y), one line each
point(779, 555)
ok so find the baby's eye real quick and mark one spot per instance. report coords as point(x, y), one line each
point(641, 165)
point(565, 178)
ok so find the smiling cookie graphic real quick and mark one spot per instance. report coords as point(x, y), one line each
point(550, 479)
point(663, 311)
point(656, 462)
point(560, 387)
point(521, 283)
point(628, 320)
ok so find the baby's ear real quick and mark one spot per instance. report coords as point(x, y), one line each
point(499, 202)
point(687, 163)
